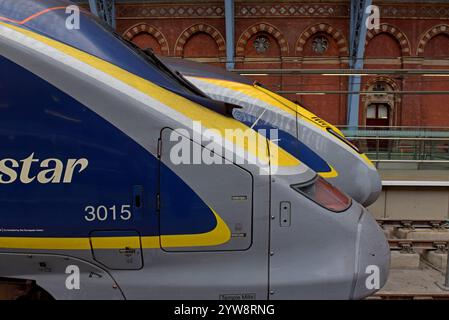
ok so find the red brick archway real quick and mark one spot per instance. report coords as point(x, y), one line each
point(197, 28)
point(429, 34)
point(140, 28)
point(336, 34)
point(400, 37)
point(257, 28)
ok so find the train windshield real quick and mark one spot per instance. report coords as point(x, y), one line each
point(325, 194)
point(345, 140)
point(95, 37)
point(152, 58)
point(49, 18)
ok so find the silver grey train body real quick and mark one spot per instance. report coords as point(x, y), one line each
point(319, 144)
point(101, 199)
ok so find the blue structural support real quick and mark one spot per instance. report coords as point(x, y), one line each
point(230, 29)
point(93, 7)
point(358, 28)
point(104, 9)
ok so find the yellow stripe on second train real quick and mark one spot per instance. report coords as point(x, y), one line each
point(208, 118)
point(280, 102)
point(269, 97)
point(329, 174)
point(304, 113)
point(307, 115)
point(254, 93)
point(248, 90)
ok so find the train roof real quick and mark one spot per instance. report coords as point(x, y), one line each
point(196, 69)
point(48, 18)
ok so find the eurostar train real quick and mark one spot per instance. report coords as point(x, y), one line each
point(315, 142)
point(96, 202)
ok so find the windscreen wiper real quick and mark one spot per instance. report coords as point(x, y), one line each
point(198, 95)
point(150, 56)
point(174, 73)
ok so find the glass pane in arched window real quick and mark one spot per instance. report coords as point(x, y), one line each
point(371, 112)
point(379, 86)
point(383, 112)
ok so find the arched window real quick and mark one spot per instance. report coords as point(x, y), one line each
point(379, 105)
point(378, 114)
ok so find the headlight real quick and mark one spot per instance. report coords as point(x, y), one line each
point(324, 194)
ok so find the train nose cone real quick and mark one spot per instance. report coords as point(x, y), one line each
point(375, 187)
point(373, 257)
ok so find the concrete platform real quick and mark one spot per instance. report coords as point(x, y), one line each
point(414, 175)
point(413, 195)
point(417, 281)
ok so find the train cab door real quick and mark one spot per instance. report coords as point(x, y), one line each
point(202, 207)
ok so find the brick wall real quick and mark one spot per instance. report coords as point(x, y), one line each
point(307, 34)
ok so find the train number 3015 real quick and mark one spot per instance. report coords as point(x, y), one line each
point(103, 213)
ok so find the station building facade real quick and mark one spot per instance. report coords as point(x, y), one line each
point(311, 35)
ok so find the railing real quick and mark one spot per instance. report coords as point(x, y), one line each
point(403, 132)
point(420, 148)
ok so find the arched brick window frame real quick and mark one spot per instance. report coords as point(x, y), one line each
point(336, 34)
point(140, 28)
point(393, 100)
point(257, 28)
point(197, 28)
point(400, 37)
point(429, 34)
